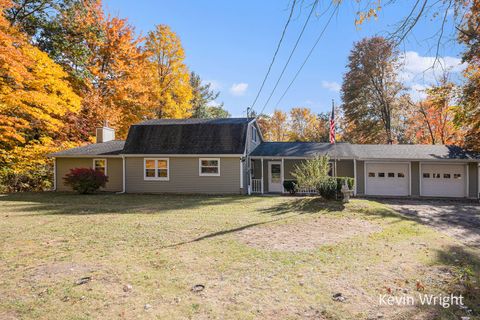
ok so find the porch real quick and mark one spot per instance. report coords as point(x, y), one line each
point(267, 174)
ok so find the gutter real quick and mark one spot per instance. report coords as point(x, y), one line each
point(123, 175)
point(54, 174)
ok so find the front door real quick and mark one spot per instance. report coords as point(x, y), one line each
point(274, 176)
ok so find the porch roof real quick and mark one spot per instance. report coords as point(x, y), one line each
point(303, 149)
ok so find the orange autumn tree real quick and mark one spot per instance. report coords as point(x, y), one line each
point(431, 121)
point(109, 67)
point(171, 92)
point(119, 91)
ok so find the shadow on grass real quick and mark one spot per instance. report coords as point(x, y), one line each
point(308, 205)
point(56, 203)
point(223, 232)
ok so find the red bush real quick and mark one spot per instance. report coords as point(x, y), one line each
point(85, 180)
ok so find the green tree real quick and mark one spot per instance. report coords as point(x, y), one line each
point(203, 98)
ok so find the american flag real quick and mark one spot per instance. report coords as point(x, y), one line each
point(332, 125)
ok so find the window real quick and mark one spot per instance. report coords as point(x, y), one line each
point(371, 174)
point(156, 169)
point(100, 165)
point(254, 134)
point(446, 176)
point(457, 176)
point(426, 175)
point(401, 175)
point(391, 175)
point(209, 166)
point(381, 174)
point(436, 175)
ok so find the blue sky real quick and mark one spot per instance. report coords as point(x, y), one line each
point(231, 43)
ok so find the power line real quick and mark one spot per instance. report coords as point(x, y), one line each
point(275, 54)
point(308, 56)
point(290, 57)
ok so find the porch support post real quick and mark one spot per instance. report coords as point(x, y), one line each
point(354, 177)
point(283, 174)
point(262, 174)
point(249, 168)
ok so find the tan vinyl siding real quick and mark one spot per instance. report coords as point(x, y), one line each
point(184, 177)
point(415, 178)
point(114, 171)
point(345, 168)
point(473, 182)
point(251, 145)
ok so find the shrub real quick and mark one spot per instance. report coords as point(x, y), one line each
point(312, 171)
point(327, 188)
point(290, 186)
point(85, 180)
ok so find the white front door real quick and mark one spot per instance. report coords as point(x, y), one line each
point(443, 180)
point(387, 179)
point(274, 176)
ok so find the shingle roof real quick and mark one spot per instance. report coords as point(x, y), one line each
point(188, 136)
point(411, 152)
point(97, 149)
point(363, 151)
point(302, 149)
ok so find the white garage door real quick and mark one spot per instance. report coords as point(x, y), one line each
point(387, 179)
point(443, 180)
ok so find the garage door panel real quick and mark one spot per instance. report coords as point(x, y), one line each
point(387, 179)
point(443, 180)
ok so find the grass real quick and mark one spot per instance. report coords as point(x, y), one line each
point(162, 246)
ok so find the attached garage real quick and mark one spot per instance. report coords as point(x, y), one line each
point(387, 179)
point(443, 180)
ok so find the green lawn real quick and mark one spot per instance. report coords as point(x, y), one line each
point(258, 257)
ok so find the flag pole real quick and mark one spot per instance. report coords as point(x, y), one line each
point(334, 142)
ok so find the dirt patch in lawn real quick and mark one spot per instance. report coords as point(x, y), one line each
point(61, 270)
point(306, 235)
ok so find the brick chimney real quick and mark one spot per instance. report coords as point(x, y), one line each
point(105, 133)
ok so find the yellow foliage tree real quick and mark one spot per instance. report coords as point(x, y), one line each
point(275, 127)
point(168, 74)
point(306, 126)
point(34, 91)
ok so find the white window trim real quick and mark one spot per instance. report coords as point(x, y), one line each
point(254, 134)
point(208, 174)
point(106, 164)
point(156, 178)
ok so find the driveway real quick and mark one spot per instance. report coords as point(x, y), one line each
point(458, 219)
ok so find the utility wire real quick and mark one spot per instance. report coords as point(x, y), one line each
point(275, 54)
point(290, 57)
point(309, 54)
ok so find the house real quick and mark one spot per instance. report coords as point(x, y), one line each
point(230, 156)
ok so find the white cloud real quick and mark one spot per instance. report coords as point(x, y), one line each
point(214, 104)
point(420, 72)
point(239, 89)
point(417, 91)
point(416, 67)
point(214, 84)
point(331, 85)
